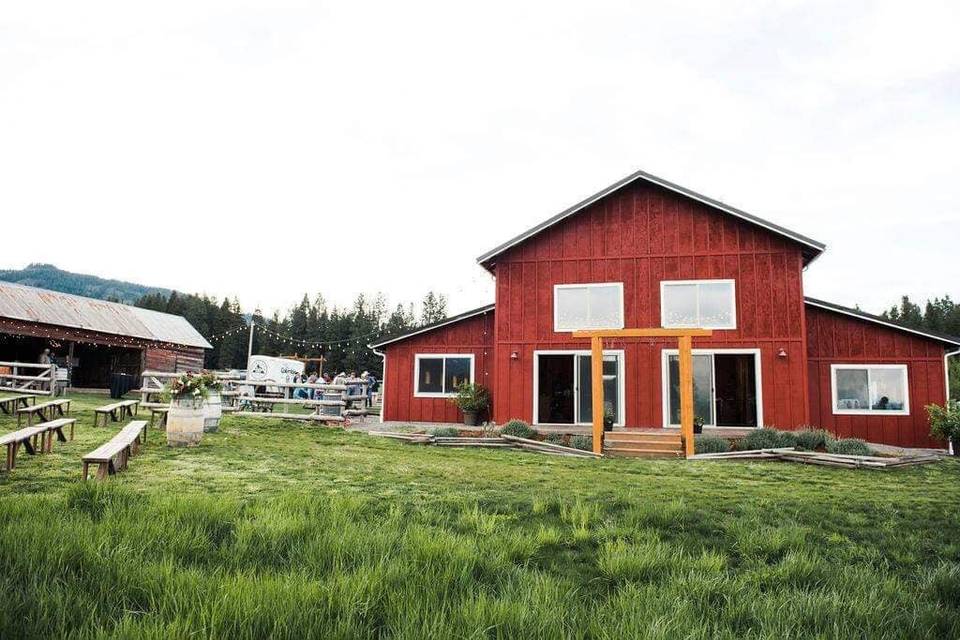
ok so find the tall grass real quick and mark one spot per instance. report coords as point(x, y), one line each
point(116, 563)
point(367, 539)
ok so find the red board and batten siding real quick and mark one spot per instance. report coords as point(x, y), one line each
point(472, 335)
point(835, 338)
point(639, 236)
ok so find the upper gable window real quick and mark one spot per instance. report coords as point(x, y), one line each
point(588, 306)
point(706, 304)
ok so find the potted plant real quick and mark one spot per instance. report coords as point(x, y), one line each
point(608, 419)
point(185, 418)
point(472, 399)
point(212, 404)
point(945, 423)
point(697, 424)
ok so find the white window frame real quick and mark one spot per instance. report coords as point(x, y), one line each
point(665, 383)
point(585, 285)
point(733, 302)
point(443, 373)
point(621, 388)
point(869, 412)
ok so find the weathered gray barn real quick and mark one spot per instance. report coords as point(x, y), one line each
point(94, 338)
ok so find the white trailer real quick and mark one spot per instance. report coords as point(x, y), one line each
point(265, 369)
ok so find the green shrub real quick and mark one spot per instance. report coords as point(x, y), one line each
point(472, 397)
point(584, 443)
point(945, 421)
point(710, 444)
point(555, 438)
point(763, 439)
point(787, 439)
point(813, 439)
point(518, 429)
point(849, 447)
point(446, 432)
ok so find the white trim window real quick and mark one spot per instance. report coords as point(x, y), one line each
point(597, 305)
point(437, 375)
point(705, 304)
point(870, 389)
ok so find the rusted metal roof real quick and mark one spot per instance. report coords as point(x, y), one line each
point(30, 304)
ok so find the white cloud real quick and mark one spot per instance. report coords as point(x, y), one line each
point(266, 150)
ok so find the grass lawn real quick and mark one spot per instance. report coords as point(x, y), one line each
point(284, 530)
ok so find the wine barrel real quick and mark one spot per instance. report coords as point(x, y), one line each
point(184, 423)
point(212, 411)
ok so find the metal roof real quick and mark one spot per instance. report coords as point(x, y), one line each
point(435, 325)
point(30, 304)
point(869, 317)
point(811, 248)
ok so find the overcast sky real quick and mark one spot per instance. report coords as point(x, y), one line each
point(267, 149)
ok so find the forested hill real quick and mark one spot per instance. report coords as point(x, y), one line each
point(47, 276)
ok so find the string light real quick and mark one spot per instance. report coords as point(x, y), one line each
point(317, 343)
point(20, 330)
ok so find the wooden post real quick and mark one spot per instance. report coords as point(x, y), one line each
point(70, 363)
point(685, 346)
point(596, 381)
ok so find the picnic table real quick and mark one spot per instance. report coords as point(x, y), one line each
point(46, 410)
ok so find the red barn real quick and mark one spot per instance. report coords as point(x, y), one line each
point(645, 252)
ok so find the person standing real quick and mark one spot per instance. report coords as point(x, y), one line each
point(371, 383)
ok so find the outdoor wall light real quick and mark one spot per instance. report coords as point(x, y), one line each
point(514, 355)
point(782, 353)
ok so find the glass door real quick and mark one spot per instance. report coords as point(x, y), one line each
point(725, 389)
point(611, 388)
point(702, 388)
point(564, 388)
point(556, 394)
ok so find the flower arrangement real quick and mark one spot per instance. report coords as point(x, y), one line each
point(192, 386)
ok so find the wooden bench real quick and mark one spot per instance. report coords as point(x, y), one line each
point(38, 439)
point(56, 427)
point(10, 404)
point(46, 410)
point(115, 412)
point(113, 455)
point(162, 413)
point(28, 438)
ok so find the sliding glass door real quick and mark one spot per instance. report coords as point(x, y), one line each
point(702, 388)
point(563, 389)
point(726, 388)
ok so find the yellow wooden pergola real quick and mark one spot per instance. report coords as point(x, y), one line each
point(685, 346)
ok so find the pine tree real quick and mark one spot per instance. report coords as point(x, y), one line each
point(434, 308)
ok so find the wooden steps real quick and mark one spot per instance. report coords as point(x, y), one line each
point(642, 444)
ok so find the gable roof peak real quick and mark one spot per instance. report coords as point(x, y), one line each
point(811, 248)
